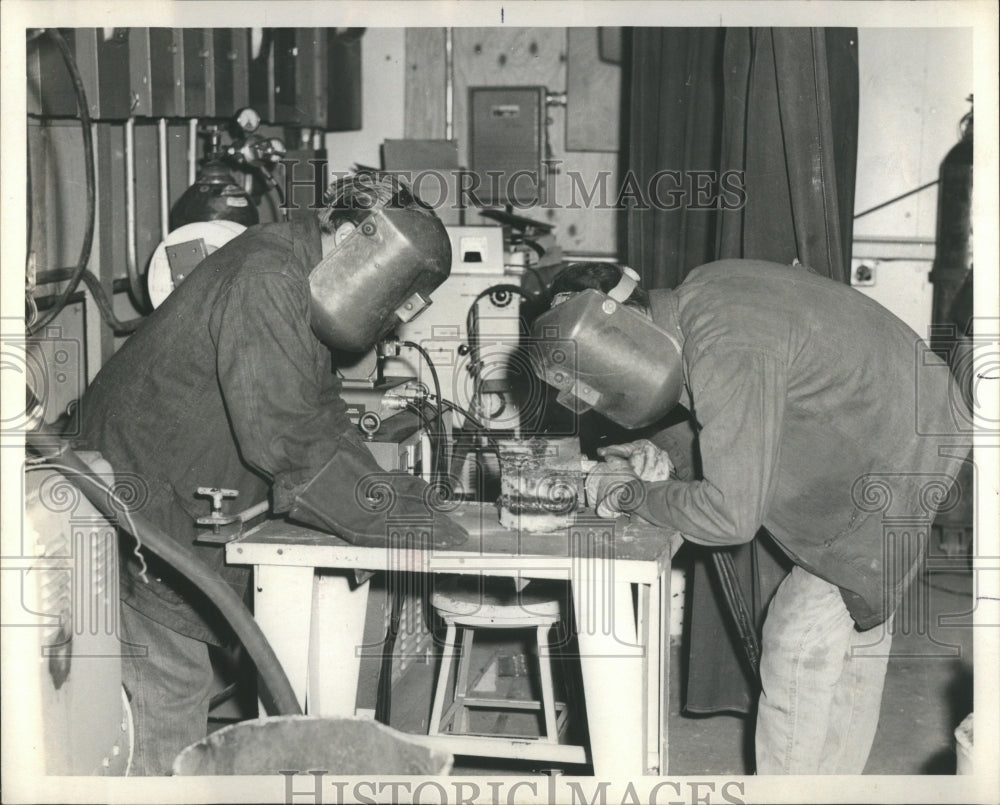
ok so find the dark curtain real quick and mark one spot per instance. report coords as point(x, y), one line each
point(675, 125)
point(778, 107)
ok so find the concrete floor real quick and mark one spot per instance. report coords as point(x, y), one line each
point(928, 691)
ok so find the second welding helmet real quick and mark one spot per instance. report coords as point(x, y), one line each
point(383, 272)
point(601, 354)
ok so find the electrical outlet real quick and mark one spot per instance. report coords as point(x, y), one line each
point(863, 272)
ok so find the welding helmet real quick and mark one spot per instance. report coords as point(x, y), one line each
point(602, 354)
point(383, 272)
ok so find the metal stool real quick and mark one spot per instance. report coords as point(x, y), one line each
point(468, 608)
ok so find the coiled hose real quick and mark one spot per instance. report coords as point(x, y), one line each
point(280, 698)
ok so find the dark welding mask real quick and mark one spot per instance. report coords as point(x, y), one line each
point(380, 275)
point(604, 355)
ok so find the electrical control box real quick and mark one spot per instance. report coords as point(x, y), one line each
point(507, 144)
point(488, 378)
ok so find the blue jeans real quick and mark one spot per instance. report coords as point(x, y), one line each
point(821, 682)
point(170, 689)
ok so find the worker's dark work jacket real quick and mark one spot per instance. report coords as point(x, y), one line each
point(823, 417)
point(224, 385)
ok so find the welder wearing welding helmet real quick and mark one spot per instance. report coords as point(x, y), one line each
point(384, 252)
point(600, 347)
point(808, 415)
point(229, 384)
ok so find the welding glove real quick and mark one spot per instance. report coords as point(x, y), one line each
point(649, 462)
point(363, 504)
point(609, 487)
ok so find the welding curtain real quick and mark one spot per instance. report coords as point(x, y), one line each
point(778, 107)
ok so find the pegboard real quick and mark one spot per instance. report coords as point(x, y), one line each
point(515, 57)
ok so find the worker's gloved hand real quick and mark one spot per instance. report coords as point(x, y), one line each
point(649, 462)
point(363, 504)
point(607, 487)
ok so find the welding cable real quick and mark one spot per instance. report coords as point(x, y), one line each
point(437, 396)
point(438, 440)
point(270, 181)
point(88, 165)
point(726, 571)
point(100, 298)
point(483, 430)
point(107, 312)
point(282, 698)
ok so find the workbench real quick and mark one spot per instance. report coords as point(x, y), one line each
point(312, 610)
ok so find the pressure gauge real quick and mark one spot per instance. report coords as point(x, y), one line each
point(248, 119)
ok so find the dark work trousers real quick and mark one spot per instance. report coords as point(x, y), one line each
point(169, 686)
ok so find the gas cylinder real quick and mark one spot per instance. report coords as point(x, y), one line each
point(953, 252)
point(214, 196)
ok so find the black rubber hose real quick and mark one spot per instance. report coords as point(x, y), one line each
point(88, 165)
point(484, 431)
point(437, 396)
point(97, 491)
point(105, 307)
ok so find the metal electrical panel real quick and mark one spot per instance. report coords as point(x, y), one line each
point(507, 143)
point(261, 74)
point(308, 77)
point(115, 68)
point(305, 77)
point(300, 76)
point(140, 72)
point(166, 60)
point(114, 82)
point(343, 82)
point(231, 70)
point(50, 87)
point(199, 72)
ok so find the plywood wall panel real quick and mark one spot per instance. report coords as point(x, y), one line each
point(424, 101)
point(593, 95)
point(515, 57)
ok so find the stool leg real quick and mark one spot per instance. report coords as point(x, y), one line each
point(462, 681)
point(434, 728)
point(548, 690)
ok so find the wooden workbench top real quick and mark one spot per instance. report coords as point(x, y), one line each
point(624, 539)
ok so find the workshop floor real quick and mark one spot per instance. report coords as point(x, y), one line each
point(928, 691)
